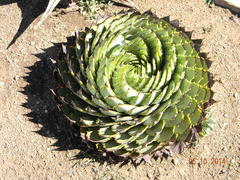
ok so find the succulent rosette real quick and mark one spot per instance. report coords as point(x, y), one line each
point(134, 83)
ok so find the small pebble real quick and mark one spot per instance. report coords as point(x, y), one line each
point(16, 77)
point(235, 19)
point(2, 84)
point(223, 18)
point(222, 171)
point(32, 43)
point(199, 164)
point(235, 95)
point(224, 149)
point(149, 175)
point(175, 161)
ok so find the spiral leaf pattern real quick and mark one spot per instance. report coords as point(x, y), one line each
point(134, 83)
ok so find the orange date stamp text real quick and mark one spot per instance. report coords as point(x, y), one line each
point(202, 160)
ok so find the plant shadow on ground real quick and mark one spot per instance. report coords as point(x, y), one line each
point(44, 110)
point(29, 12)
point(32, 10)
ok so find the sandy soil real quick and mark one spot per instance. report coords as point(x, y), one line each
point(36, 142)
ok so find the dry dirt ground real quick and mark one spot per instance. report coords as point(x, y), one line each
point(37, 143)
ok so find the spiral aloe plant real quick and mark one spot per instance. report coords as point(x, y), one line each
point(134, 83)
